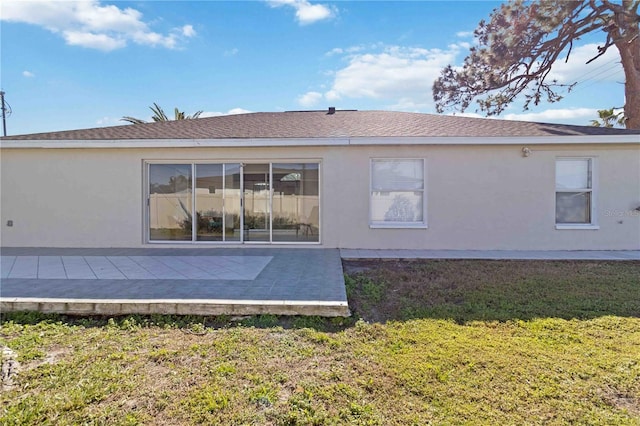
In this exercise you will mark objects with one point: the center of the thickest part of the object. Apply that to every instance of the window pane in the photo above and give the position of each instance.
(170, 202)
(295, 202)
(232, 205)
(209, 202)
(257, 196)
(573, 174)
(400, 175)
(573, 207)
(396, 206)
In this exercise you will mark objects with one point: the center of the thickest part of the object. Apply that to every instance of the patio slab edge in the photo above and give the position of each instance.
(407, 254)
(207, 307)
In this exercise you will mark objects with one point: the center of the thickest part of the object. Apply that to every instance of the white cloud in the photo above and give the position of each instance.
(93, 41)
(231, 52)
(409, 104)
(310, 99)
(108, 121)
(28, 74)
(238, 111)
(188, 31)
(306, 13)
(335, 51)
(562, 115)
(90, 24)
(232, 111)
(605, 68)
(464, 34)
(401, 76)
(472, 115)
(463, 44)
(353, 49)
(576, 116)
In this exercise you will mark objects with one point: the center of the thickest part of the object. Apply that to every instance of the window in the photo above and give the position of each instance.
(397, 193)
(574, 193)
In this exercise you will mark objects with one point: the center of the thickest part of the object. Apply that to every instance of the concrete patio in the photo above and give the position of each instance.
(197, 281)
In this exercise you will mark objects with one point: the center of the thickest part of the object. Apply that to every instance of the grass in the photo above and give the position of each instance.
(437, 342)
(467, 290)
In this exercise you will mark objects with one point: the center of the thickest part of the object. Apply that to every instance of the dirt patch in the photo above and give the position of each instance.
(622, 401)
(10, 367)
(53, 356)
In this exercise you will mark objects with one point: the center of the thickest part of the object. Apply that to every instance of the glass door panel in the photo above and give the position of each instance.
(170, 198)
(232, 202)
(209, 202)
(257, 203)
(296, 202)
(218, 202)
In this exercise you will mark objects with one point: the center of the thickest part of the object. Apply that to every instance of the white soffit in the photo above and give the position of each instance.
(304, 142)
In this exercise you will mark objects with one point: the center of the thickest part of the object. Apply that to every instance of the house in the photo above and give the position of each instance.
(333, 179)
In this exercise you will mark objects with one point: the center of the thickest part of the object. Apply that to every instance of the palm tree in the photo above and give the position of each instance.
(609, 118)
(159, 115)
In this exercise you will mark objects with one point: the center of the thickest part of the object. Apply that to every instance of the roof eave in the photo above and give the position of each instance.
(334, 141)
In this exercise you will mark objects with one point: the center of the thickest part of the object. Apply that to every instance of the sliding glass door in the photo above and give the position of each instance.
(218, 206)
(257, 202)
(233, 202)
(296, 202)
(170, 202)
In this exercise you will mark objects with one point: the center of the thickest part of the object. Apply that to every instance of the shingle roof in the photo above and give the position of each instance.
(320, 124)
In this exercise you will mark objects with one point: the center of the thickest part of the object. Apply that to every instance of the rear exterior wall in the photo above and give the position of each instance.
(487, 197)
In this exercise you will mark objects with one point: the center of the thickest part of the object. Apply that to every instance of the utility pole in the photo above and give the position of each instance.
(4, 116)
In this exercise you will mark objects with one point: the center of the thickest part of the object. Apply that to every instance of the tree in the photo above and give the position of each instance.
(159, 115)
(609, 118)
(523, 39)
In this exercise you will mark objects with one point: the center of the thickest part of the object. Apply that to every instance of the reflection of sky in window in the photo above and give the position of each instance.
(159, 174)
(573, 174)
(291, 177)
(208, 171)
(291, 167)
(397, 174)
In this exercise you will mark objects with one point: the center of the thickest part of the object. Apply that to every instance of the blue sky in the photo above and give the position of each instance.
(86, 63)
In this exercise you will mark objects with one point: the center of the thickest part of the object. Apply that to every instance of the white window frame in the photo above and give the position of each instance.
(399, 225)
(593, 190)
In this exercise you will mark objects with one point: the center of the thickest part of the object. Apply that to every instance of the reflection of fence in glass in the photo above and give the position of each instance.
(166, 212)
(396, 206)
(401, 210)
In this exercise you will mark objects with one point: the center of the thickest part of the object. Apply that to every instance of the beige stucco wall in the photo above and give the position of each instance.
(478, 197)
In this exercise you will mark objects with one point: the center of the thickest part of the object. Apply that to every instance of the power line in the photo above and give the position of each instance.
(596, 69)
(593, 81)
(6, 111)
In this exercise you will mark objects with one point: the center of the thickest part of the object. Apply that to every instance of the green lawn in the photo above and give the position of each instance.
(436, 342)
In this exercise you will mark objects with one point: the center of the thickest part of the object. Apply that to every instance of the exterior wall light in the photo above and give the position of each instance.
(526, 152)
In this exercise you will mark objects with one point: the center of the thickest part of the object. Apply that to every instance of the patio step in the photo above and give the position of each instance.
(208, 307)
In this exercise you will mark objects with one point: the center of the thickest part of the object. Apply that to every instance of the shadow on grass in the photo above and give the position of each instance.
(193, 324)
(500, 290)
